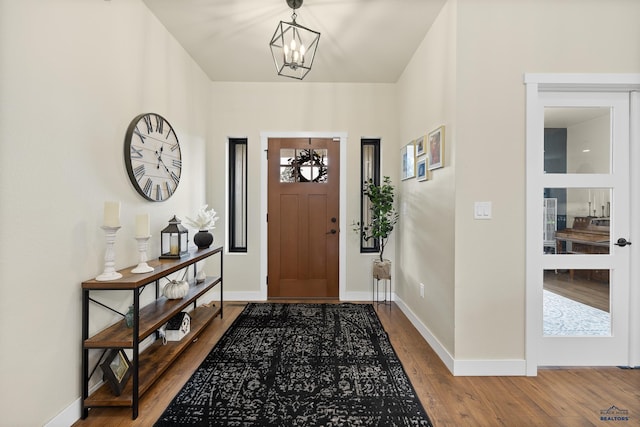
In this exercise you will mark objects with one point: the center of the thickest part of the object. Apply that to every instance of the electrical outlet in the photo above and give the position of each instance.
(421, 290)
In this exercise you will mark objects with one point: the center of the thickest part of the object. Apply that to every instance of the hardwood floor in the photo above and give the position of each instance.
(556, 397)
(589, 292)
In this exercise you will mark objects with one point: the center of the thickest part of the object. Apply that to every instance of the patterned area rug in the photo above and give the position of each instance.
(300, 365)
(566, 317)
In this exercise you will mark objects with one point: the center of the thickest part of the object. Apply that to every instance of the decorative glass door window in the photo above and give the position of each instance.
(303, 165)
(369, 170)
(238, 170)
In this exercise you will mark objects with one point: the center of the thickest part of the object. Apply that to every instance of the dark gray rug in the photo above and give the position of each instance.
(300, 365)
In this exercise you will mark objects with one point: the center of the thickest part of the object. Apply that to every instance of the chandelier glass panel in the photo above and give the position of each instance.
(293, 46)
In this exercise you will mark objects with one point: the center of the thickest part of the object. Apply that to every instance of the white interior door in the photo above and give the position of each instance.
(579, 290)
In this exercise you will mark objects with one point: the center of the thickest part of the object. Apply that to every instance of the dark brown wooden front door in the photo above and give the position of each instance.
(303, 207)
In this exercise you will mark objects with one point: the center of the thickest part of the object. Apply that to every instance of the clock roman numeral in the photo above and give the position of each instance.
(175, 178)
(147, 121)
(136, 153)
(159, 124)
(137, 132)
(138, 172)
(169, 190)
(158, 193)
(177, 163)
(169, 134)
(175, 147)
(147, 187)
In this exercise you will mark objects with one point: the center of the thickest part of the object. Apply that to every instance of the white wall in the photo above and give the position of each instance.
(594, 135)
(73, 74)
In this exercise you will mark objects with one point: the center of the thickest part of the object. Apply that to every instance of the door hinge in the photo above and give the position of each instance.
(267, 217)
(267, 280)
(266, 153)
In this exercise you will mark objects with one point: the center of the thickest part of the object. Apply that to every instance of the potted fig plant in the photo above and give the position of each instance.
(384, 217)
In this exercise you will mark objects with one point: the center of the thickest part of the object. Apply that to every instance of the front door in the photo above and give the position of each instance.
(302, 215)
(581, 190)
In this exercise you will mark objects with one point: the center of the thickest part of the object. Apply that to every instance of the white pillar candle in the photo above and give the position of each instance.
(142, 225)
(112, 214)
(173, 250)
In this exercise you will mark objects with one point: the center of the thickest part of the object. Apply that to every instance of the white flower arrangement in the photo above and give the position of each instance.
(204, 220)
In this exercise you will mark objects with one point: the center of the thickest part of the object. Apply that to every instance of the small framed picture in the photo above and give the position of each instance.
(421, 169)
(116, 370)
(420, 146)
(408, 159)
(436, 148)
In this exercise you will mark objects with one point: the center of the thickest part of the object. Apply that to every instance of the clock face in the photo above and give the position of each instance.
(152, 156)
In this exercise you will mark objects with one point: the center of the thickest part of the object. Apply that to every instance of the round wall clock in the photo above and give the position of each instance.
(152, 156)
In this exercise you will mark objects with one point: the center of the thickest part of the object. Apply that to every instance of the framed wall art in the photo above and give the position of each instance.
(408, 159)
(436, 148)
(116, 370)
(421, 169)
(420, 146)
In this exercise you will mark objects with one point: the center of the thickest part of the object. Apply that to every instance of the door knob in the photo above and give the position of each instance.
(332, 231)
(622, 242)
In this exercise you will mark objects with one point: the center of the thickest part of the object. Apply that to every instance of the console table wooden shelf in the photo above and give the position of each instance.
(146, 366)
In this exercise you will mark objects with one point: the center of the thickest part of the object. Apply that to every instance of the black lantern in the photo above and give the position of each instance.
(293, 46)
(173, 240)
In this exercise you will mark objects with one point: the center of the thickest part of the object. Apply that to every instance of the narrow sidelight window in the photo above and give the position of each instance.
(369, 169)
(237, 194)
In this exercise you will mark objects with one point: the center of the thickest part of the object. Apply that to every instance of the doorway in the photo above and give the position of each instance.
(302, 217)
(579, 195)
(339, 142)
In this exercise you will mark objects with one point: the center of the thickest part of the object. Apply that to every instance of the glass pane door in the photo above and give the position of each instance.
(576, 302)
(584, 197)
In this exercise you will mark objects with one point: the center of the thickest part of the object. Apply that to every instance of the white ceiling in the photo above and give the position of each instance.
(361, 40)
(560, 117)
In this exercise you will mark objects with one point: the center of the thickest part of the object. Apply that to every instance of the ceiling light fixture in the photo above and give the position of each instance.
(293, 46)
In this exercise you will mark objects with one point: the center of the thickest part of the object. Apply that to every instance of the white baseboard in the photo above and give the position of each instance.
(362, 296)
(490, 368)
(257, 296)
(68, 416)
(440, 350)
(243, 296)
(499, 367)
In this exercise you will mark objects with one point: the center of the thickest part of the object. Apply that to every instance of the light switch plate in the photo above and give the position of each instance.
(482, 210)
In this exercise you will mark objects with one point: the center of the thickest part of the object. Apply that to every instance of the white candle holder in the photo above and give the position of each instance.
(200, 275)
(109, 272)
(142, 267)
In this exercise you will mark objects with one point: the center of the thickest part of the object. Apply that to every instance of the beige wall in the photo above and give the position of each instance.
(72, 77)
(426, 237)
(468, 75)
(248, 109)
(499, 41)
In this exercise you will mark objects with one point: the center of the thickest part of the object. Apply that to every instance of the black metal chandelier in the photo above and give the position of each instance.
(293, 46)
